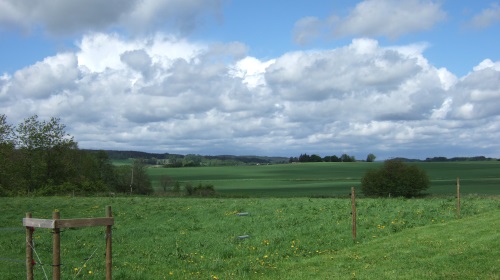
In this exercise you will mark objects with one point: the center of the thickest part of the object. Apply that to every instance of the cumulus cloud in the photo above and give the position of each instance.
(51, 76)
(476, 95)
(373, 18)
(162, 93)
(63, 17)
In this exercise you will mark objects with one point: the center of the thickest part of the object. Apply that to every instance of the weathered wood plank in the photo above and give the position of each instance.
(87, 222)
(38, 223)
(67, 223)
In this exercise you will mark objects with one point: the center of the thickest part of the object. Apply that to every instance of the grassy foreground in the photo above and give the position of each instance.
(281, 238)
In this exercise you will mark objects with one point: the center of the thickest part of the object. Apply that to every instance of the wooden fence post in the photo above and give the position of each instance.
(56, 248)
(29, 250)
(458, 197)
(56, 223)
(109, 261)
(353, 206)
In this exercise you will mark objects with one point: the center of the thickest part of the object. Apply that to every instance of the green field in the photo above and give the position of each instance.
(290, 232)
(329, 179)
(288, 238)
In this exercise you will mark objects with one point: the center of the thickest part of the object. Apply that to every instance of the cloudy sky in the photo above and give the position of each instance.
(413, 78)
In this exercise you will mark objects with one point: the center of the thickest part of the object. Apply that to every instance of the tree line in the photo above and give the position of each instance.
(38, 157)
(316, 158)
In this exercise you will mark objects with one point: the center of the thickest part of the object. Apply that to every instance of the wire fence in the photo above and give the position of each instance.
(12, 228)
(38, 261)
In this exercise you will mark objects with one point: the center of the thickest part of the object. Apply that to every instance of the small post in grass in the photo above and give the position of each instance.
(56, 248)
(29, 250)
(109, 262)
(458, 197)
(353, 206)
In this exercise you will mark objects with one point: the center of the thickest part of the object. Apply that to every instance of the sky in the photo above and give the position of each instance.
(413, 78)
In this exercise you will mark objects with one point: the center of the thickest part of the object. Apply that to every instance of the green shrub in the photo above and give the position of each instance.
(177, 187)
(395, 179)
(189, 189)
(200, 190)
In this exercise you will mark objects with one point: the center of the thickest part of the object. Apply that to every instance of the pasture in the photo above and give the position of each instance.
(329, 179)
(287, 238)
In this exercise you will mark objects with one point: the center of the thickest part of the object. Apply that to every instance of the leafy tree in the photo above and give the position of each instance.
(395, 179)
(347, 158)
(293, 159)
(8, 171)
(123, 178)
(141, 183)
(166, 182)
(304, 158)
(315, 158)
(105, 169)
(43, 146)
(39, 157)
(371, 158)
(6, 131)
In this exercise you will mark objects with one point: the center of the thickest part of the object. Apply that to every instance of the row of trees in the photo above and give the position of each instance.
(334, 158)
(38, 156)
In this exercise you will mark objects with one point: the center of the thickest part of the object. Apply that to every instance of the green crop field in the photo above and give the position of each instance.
(329, 179)
(279, 238)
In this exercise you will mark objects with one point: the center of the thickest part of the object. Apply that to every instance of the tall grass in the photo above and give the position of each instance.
(280, 238)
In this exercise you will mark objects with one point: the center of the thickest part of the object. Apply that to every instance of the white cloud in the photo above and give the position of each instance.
(63, 17)
(390, 18)
(160, 93)
(251, 70)
(477, 95)
(487, 17)
(99, 51)
(374, 18)
(48, 77)
(487, 63)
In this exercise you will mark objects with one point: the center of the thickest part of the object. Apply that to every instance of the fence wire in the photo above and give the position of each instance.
(13, 228)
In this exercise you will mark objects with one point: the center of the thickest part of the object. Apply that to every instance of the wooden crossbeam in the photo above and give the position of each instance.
(67, 223)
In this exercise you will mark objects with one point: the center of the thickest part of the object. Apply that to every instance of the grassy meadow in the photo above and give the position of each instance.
(281, 238)
(329, 179)
(290, 231)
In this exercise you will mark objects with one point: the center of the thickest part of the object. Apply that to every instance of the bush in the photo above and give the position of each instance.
(200, 190)
(395, 179)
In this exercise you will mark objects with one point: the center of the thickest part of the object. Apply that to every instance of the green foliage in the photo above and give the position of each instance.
(189, 189)
(133, 179)
(200, 190)
(370, 158)
(204, 190)
(395, 179)
(39, 157)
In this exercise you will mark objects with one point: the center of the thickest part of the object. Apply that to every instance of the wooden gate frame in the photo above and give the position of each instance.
(56, 224)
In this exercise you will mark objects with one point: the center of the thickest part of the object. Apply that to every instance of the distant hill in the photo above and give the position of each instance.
(212, 160)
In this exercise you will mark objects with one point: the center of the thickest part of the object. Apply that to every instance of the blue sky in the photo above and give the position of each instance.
(412, 78)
